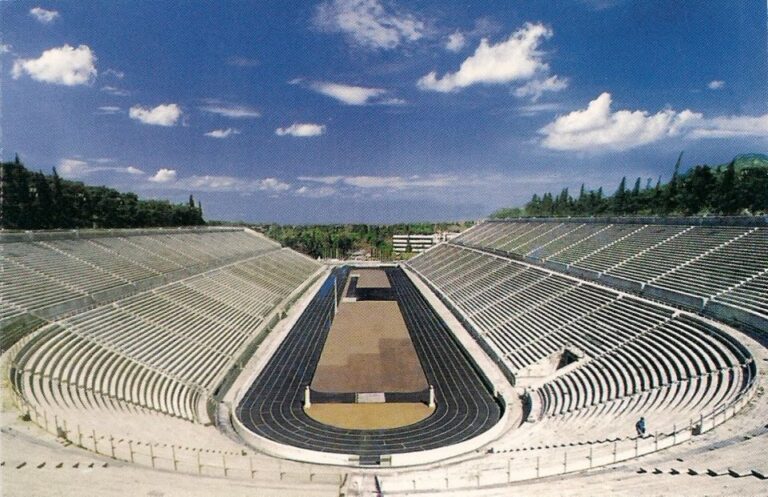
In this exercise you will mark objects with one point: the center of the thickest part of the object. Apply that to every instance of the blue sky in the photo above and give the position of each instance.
(376, 110)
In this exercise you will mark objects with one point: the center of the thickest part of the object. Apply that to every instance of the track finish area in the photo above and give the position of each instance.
(272, 406)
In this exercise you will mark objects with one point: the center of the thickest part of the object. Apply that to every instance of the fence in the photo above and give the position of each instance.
(498, 469)
(170, 457)
(178, 458)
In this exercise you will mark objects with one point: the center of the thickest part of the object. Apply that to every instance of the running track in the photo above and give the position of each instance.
(272, 407)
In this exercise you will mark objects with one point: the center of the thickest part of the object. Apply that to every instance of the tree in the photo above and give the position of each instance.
(727, 198)
(620, 197)
(36, 201)
(42, 204)
(696, 190)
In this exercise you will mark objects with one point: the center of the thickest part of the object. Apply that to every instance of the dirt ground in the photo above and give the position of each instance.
(369, 416)
(371, 278)
(369, 350)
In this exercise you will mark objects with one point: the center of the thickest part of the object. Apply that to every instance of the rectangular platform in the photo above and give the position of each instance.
(369, 349)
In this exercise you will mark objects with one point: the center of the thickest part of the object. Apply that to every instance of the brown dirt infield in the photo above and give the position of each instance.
(369, 416)
(372, 278)
(368, 349)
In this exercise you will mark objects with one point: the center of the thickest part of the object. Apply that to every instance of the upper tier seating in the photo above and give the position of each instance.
(682, 264)
(53, 276)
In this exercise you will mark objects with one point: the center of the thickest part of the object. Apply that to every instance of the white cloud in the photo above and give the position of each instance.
(76, 168)
(348, 94)
(301, 130)
(61, 65)
(716, 84)
(386, 182)
(222, 133)
(316, 192)
(597, 127)
(164, 176)
(730, 127)
(517, 58)
(162, 115)
(115, 91)
(114, 72)
(326, 180)
(533, 109)
(367, 23)
(455, 41)
(5, 48)
(109, 109)
(536, 87)
(43, 15)
(235, 111)
(169, 179)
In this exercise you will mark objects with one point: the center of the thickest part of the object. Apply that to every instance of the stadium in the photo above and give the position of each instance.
(379, 248)
(516, 357)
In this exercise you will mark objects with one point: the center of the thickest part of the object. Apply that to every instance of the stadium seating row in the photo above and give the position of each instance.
(163, 349)
(635, 355)
(721, 264)
(61, 275)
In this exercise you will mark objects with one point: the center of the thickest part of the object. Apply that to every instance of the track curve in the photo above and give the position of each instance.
(272, 406)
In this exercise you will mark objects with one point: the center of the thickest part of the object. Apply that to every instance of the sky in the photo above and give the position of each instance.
(378, 111)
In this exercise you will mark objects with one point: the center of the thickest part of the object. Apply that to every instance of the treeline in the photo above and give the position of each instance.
(340, 240)
(33, 200)
(740, 187)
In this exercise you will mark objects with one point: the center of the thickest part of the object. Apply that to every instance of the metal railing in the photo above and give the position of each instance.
(497, 470)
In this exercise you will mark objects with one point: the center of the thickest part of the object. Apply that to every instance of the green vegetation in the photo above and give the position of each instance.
(342, 240)
(737, 188)
(37, 201)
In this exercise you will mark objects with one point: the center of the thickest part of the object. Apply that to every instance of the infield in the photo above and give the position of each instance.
(368, 349)
(370, 416)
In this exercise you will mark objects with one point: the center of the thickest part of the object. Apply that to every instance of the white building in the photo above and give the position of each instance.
(419, 243)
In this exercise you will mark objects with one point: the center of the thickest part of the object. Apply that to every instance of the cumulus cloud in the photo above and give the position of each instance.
(730, 127)
(517, 58)
(162, 115)
(597, 127)
(536, 87)
(222, 133)
(231, 110)
(77, 168)
(60, 65)
(716, 84)
(301, 130)
(349, 94)
(42, 15)
(5, 48)
(368, 24)
(164, 176)
(455, 41)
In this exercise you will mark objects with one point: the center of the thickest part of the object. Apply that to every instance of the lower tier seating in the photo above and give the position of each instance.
(164, 349)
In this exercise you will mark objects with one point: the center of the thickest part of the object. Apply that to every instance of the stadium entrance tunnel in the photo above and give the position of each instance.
(401, 426)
